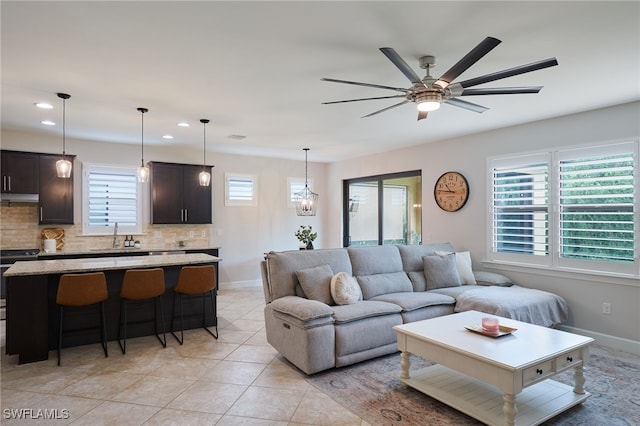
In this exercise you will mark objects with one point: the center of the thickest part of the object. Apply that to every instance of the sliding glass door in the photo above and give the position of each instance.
(383, 209)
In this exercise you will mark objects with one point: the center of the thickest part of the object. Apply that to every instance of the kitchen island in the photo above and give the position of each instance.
(32, 314)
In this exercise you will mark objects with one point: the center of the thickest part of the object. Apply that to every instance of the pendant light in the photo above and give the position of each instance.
(306, 200)
(142, 172)
(63, 166)
(204, 177)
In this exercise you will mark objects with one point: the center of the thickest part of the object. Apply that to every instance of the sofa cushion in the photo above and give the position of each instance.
(453, 291)
(418, 280)
(316, 283)
(362, 310)
(345, 289)
(374, 285)
(373, 260)
(417, 300)
(412, 255)
(491, 278)
(441, 271)
(463, 263)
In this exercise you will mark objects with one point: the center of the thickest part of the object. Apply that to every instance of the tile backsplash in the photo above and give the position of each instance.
(19, 229)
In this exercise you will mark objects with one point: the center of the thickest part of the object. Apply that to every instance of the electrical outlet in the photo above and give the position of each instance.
(606, 308)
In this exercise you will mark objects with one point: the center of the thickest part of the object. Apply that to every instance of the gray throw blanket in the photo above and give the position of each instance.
(515, 302)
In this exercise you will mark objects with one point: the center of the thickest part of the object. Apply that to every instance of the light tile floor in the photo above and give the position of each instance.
(236, 380)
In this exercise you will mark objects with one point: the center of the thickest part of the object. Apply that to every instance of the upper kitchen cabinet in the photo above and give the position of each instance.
(177, 197)
(19, 172)
(56, 194)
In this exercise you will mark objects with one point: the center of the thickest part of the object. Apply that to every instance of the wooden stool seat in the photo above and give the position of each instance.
(76, 290)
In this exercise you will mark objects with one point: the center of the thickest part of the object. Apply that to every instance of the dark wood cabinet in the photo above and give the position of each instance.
(177, 197)
(56, 194)
(19, 172)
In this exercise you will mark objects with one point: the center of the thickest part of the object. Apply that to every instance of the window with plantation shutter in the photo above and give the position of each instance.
(111, 195)
(520, 220)
(596, 206)
(240, 190)
(568, 209)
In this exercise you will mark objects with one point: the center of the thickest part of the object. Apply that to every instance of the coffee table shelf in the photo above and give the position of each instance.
(536, 403)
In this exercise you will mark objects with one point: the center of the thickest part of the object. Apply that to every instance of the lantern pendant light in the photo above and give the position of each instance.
(142, 172)
(204, 177)
(306, 200)
(63, 166)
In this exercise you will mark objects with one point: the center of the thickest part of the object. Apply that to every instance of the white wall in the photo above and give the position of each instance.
(467, 230)
(243, 233)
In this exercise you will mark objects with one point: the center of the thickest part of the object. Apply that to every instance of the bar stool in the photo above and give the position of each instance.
(196, 280)
(142, 284)
(82, 290)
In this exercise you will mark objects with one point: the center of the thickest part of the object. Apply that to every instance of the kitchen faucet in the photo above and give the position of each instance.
(115, 236)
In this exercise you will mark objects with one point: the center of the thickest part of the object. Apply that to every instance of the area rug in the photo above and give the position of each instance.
(371, 390)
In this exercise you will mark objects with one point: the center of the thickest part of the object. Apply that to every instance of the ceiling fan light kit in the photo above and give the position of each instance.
(429, 93)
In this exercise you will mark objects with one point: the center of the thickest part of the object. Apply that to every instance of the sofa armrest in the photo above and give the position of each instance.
(301, 308)
(492, 278)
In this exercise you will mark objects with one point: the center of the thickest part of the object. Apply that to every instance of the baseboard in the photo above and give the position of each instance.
(617, 343)
(239, 284)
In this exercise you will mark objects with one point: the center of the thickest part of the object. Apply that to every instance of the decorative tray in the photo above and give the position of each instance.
(503, 330)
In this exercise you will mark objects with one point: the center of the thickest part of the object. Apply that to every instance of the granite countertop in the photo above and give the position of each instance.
(59, 266)
(121, 250)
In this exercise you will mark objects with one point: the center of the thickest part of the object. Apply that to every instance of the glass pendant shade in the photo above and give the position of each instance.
(142, 172)
(63, 166)
(204, 177)
(306, 200)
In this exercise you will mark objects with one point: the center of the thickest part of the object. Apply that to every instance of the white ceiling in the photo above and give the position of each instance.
(254, 69)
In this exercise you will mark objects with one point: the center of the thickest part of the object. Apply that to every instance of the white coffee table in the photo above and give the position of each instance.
(497, 380)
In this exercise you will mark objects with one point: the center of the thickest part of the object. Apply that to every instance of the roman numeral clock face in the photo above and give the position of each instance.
(451, 191)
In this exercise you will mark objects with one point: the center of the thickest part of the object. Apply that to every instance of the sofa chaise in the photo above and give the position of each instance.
(331, 308)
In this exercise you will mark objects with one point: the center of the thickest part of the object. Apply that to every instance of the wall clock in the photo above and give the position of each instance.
(451, 191)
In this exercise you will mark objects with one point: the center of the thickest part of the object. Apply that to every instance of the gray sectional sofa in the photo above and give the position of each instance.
(395, 285)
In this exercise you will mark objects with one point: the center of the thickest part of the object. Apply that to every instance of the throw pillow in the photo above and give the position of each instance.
(345, 289)
(316, 283)
(463, 263)
(441, 271)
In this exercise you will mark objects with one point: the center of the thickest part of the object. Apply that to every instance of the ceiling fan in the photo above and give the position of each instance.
(428, 93)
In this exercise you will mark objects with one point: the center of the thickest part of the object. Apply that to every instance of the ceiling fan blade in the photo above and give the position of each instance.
(466, 105)
(363, 99)
(333, 80)
(385, 109)
(534, 66)
(501, 91)
(422, 115)
(484, 47)
(401, 65)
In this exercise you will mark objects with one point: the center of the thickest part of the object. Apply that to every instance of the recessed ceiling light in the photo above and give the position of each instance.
(43, 105)
(236, 137)
(48, 123)
(167, 137)
(183, 124)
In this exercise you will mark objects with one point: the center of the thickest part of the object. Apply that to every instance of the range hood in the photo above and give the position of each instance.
(18, 198)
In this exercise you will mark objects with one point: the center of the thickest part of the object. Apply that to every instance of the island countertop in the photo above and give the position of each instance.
(65, 266)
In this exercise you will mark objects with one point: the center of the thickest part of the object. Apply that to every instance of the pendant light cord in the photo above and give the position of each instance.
(142, 141)
(306, 151)
(64, 115)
